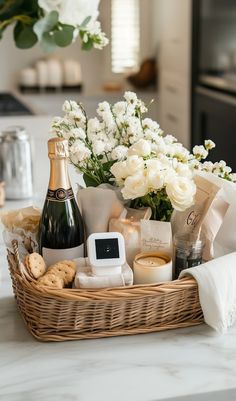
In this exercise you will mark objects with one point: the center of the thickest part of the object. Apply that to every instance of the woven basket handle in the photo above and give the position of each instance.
(16, 252)
(20, 266)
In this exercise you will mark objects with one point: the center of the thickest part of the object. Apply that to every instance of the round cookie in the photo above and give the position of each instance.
(35, 265)
(66, 272)
(70, 263)
(51, 280)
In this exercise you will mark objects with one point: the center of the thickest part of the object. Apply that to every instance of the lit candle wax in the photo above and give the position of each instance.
(131, 232)
(152, 268)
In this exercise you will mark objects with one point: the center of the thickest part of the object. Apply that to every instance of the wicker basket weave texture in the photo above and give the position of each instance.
(57, 315)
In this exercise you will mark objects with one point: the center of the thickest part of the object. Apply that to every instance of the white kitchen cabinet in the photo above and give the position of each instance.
(175, 67)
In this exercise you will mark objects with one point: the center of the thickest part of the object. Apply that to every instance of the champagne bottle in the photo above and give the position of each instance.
(61, 230)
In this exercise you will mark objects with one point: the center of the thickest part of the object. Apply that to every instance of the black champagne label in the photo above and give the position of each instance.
(60, 194)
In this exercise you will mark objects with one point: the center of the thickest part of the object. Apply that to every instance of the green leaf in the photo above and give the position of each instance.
(89, 181)
(46, 24)
(107, 165)
(64, 36)
(85, 22)
(24, 36)
(29, 7)
(87, 45)
(10, 8)
(47, 42)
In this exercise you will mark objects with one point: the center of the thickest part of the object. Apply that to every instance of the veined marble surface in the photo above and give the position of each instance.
(158, 366)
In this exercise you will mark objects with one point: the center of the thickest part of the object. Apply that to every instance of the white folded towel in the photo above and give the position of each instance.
(86, 279)
(217, 290)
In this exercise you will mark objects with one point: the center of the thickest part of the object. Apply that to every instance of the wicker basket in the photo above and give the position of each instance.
(72, 314)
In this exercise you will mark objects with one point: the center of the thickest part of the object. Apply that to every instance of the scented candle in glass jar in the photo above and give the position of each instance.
(188, 249)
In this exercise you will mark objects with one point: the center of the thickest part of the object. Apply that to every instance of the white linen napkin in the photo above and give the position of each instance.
(86, 279)
(217, 290)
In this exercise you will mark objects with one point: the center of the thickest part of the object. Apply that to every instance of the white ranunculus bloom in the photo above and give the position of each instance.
(135, 186)
(140, 148)
(72, 12)
(134, 164)
(181, 191)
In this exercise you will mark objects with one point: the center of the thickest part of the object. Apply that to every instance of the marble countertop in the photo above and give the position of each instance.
(192, 364)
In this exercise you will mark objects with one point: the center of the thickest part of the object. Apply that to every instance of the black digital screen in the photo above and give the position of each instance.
(107, 248)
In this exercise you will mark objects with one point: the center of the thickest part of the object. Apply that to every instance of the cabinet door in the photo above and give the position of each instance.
(176, 19)
(215, 118)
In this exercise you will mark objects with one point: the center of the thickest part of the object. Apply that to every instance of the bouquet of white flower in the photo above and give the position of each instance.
(53, 23)
(122, 148)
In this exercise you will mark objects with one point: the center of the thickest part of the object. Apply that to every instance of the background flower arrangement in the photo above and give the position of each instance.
(122, 148)
(52, 23)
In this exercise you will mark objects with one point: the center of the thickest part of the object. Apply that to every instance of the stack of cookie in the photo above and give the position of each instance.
(60, 275)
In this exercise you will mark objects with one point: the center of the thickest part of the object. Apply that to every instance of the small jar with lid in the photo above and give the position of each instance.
(188, 249)
(16, 163)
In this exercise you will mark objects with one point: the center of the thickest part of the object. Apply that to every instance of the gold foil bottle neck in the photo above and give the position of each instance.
(58, 148)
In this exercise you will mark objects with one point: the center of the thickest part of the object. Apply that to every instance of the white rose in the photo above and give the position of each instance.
(71, 12)
(140, 148)
(181, 191)
(119, 170)
(134, 164)
(155, 179)
(135, 186)
(119, 153)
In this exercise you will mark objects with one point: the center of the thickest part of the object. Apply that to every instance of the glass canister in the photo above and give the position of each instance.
(16, 163)
(188, 249)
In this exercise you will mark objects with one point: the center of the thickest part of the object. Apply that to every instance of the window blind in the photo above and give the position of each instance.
(125, 35)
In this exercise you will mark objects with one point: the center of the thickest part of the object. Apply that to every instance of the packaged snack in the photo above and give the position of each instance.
(205, 217)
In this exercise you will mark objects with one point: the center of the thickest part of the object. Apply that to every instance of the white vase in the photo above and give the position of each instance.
(98, 205)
